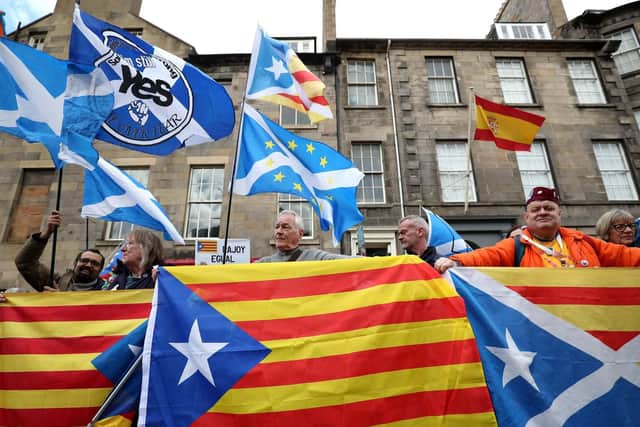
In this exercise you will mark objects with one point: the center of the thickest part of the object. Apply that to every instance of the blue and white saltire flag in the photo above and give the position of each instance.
(443, 237)
(192, 355)
(542, 370)
(111, 194)
(47, 100)
(274, 160)
(162, 103)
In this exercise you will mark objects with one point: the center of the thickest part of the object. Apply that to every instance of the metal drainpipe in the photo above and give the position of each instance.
(395, 130)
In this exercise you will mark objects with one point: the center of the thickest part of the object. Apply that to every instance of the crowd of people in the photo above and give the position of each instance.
(540, 242)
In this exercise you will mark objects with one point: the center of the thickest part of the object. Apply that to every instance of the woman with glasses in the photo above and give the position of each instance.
(617, 226)
(141, 252)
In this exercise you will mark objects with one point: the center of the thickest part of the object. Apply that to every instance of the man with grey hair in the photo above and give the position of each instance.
(289, 230)
(413, 231)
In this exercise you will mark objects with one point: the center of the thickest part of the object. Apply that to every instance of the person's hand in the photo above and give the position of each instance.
(443, 264)
(3, 297)
(50, 289)
(54, 221)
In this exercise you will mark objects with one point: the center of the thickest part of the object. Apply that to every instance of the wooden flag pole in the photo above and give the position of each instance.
(55, 232)
(468, 173)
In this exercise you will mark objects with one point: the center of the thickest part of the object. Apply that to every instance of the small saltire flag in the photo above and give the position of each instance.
(443, 237)
(509, 128)
(192, 356)
(162, 103)
(277, 75)
(111, 194)
(559, 347)
(113, 364)
(47, 100)
(274, 160)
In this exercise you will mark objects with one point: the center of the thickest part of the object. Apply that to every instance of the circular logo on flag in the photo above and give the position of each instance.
(153, 99)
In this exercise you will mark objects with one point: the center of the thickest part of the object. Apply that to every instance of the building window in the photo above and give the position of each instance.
(32, 204)
(534, 168)
(627, 57)
(293, 118)
(302, 45)
(135, 31)
(361, 82)
(614, 170)
(36, 40)
(301, 207)
(368, 158)
(120, 230)
(586, 82)
(513, 80)
(636, 114)
(452, 165)
(442, 81)
(538, 31)
(205, 202)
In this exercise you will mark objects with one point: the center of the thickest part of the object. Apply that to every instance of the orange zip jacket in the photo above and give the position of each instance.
(584, 253)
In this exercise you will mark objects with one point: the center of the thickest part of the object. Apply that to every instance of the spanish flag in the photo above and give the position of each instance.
(509, 128)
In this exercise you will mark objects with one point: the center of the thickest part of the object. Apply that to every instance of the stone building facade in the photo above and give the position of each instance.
(402, 113)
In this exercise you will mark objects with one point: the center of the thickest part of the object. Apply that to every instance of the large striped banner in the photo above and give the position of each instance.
(353, 342)
(558, 346)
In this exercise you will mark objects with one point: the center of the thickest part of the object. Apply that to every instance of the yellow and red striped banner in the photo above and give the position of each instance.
(354, 342)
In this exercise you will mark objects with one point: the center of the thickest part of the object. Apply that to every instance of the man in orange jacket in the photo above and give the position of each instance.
(545, 244)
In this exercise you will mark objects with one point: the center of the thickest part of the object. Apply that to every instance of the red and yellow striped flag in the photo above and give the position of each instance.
(509, 128)
(354, 342)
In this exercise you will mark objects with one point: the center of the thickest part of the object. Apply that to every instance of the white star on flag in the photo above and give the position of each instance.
(135, 349)
(516, 362)
(277, 68)
(197, 354)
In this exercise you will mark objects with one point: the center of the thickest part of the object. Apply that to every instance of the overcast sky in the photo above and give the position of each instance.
(228, 26)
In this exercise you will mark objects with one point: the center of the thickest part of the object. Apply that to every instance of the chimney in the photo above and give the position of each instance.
(329, 25)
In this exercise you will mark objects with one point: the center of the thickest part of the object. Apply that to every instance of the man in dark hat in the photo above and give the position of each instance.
(544, 243)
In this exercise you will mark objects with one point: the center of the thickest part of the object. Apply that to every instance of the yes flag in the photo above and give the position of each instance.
(46, 100)
(192, 356)
(509, 128)
(443, 237)
(277, 75)
(274, 160)
(161, 102)
(559, 347)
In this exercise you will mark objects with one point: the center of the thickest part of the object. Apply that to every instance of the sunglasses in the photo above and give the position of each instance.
(622, 227)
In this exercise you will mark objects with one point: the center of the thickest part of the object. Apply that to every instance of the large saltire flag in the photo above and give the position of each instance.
(277, 75)
(44, 99)
(509, 128)
(443, 237)
(353, 342)
(274, 160)
(559, 347)
(162, 103)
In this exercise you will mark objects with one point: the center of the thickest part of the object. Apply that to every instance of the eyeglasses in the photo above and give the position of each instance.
(93, 262)
(621, 227)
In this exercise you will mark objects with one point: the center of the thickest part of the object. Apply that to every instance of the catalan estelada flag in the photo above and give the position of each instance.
(276, 74)
(352, 342)
(509, 128)
(559, 347)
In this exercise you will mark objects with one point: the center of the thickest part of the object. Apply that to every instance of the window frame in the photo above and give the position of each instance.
(445, 163)
(452, 80)
(622, 53)
(297, 115)
(362, 84)
(31, 178)
(361, 193)
(595, 78)
(507, 30)
(215, 203)
(37, 39)
(624, 171)
(524, 78)
(547, 170)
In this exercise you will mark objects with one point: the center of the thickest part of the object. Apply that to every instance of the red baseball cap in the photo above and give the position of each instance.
(543, 193)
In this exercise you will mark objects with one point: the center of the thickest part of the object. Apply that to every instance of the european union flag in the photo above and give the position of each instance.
(192, 355)
(542, 370)
(274, 160)
(46, 100)
(162, 103)
(443, 237)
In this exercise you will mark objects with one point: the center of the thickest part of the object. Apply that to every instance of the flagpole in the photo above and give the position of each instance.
(114, 392)
(468, 173)
(55, 231)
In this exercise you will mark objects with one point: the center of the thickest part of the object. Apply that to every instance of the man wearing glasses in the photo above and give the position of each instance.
(544, 243)
(83, 276)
